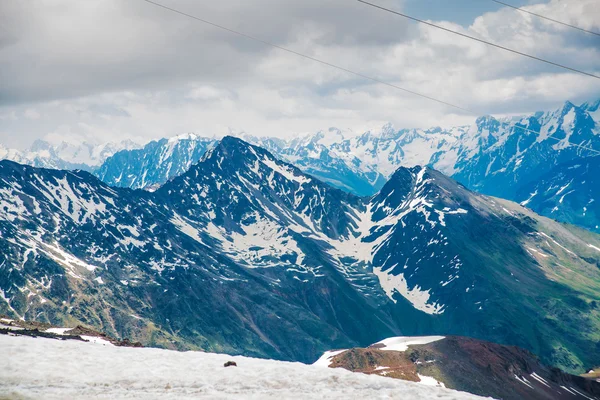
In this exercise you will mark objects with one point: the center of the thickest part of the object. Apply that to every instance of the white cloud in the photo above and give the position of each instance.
(112, 70)
(31, 114)
(206, 93)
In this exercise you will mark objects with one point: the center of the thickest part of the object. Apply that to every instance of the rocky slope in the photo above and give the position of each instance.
(246, 254)
(470, 365)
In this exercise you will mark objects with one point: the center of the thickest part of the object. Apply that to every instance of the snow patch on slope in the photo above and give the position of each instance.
(593, 247)
(326, 359)
(429, 381)
(392, 284)
(401, 343)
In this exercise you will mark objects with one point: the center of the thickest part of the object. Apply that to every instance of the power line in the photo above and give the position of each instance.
(569, 144)
(546, 18)
(306, 56)
(479, 40)
(342, 68)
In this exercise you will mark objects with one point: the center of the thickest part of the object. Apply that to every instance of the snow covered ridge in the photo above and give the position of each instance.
(154, 164)
(357, 162)
(75, 370)
(489, 157)
(65, 155)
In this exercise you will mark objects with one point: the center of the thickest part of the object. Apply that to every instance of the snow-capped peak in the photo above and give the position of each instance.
(185, 136)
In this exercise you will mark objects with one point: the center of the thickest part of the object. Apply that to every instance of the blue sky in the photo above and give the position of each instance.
(460, 11)
(110, 70)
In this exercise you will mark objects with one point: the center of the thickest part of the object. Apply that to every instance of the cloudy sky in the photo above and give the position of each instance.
(108, 70)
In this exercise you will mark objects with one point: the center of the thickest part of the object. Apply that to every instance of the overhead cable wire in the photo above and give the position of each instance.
(479, 40)
(567, 142)
(267, 43)
(360, 75)
(546, 18)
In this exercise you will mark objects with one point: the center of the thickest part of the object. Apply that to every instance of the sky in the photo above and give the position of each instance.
(109, 70)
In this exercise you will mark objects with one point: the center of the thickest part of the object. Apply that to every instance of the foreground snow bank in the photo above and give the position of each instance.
(52, 369)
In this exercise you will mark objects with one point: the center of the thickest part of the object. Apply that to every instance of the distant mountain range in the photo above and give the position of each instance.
(494, 157)
(244, 253)
(155, 163)
(84, 156)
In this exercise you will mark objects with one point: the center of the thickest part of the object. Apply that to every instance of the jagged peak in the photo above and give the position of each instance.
(406, 177)
(485, 119)
(388, 128)
(236, 152)
(417, 171)
(233, 158)
(591, 106)
(185, 136)
(40, 144)
(230, 142)
(567, 106)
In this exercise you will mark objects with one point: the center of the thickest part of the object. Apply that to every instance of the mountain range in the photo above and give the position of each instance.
(246, 254)
(85, 156)
(514, 158)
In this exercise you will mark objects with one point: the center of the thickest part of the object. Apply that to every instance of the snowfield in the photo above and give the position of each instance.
(37, 368)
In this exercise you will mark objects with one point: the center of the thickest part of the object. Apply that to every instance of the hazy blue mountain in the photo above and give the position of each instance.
(246, 254)
(85, 156)
(569, 192)
(357, 164)
(155, 163)
(494, 156)
(499, 157)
